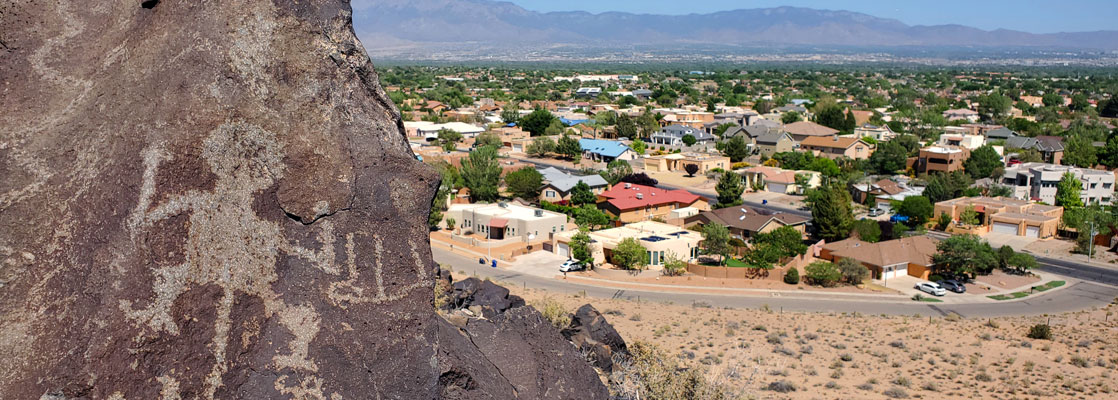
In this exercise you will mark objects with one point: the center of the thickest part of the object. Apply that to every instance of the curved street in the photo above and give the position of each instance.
(1087, 287)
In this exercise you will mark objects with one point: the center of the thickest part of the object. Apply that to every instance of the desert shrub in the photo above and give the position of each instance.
(1079, 362)
(782, 387)
(846, 357)
(897, 344)
(1040, 331)
(930, 386)
(895, 393)
(651, 373)
(774, 338)
(792, 277)
(902, 381)
(865, 386)
(784, 350)
(831, 385)
(554, 312)
(853, 272)
(983, 377)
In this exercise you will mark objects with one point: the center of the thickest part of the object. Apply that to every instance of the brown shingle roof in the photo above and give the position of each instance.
(913, 250)
(750, 219)
(808, 128)
(831, 142)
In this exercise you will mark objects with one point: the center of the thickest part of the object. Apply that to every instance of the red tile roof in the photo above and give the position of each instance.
(626, 198)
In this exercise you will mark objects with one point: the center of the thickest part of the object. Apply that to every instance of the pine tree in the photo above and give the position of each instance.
(730, 188)
(831, 213)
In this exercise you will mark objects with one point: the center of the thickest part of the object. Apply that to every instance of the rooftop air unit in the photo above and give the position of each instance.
(628, 185)
(503, 204)
(539, 213)
(640, 196)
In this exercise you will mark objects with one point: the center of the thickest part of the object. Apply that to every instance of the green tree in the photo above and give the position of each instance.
(481, 174)
(1079, 102)
(629, 254)
(647, 124)
(849, 123)
(943, 221)
(792, 277)
(638, 146)
(1108, 155)
(786, 241)
(964, 255)
(1067, 191)
(721, 129)
(730, 188)
(1109, 108)
(488, 139)
(790, 117)
(568, 147)
(556, 128)
(1022, 262)
(580, 246)
(1000, 191)
(524, 183)
(689, 140)
(1079, 151)
(581, 194)
(691, 169)
(716, 240)
(822, 273)
(853, 272)
(830, 115)
(917, 208)
(1052, 100)
(984, 162)
(540, 147)
(626, 128)
(735, 148)
(889, 158)
(450, 223)
(449, 138)
(537, 121)
(591, 217)
(510, 115)
(831, 212)
(994, 105)
(1088, 221)
(868, 230)
(969, 216)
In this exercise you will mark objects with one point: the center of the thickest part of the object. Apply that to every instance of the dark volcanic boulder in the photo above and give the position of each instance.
(216, 200)
(591, 333)
(490, 297)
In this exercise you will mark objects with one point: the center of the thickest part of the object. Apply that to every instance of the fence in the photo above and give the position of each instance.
(776, 273)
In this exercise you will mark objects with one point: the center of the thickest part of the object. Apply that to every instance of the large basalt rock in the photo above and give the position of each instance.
(210, 200)
(592, 334)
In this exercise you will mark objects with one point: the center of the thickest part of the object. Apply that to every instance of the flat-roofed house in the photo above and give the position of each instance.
(1037, 181)
(679, 161)
(660, 240)
(941, 159)
(777, 180)
(1005, 215)
(504, 220)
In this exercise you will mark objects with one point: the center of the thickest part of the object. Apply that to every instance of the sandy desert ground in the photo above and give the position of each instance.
(852, 356)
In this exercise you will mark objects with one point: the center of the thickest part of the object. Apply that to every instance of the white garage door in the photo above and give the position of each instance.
(563, 249)
(1002, 227)
(1032, 231)
(778, 187)
(893, 271)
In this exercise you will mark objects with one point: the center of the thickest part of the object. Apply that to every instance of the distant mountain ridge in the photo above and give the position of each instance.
(493, 23)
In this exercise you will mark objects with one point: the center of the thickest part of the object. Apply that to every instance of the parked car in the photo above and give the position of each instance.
(571, 265)
(953, 285)
(875, 212)
(931, 288)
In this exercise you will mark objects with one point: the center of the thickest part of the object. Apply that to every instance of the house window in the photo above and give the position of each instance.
(1106, 186)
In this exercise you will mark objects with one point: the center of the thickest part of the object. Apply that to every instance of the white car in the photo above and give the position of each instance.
(570, 265)
(931, 288)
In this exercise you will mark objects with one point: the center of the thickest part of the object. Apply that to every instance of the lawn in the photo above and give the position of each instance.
(1018, 295)
(735, 263)
(928, 299)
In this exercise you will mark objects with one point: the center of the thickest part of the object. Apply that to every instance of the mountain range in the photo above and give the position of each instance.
(418, 23)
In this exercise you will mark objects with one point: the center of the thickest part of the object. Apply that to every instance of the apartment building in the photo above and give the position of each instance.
(1037, 181)
(941, 159)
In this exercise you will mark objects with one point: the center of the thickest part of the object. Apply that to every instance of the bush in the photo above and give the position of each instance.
(554, 312)
(853, 272)
(895, 393)
(823, 273)
(1040, 331)
(792, 277)
(782, 387)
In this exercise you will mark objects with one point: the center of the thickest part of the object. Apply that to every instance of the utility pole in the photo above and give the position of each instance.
(1091, 239)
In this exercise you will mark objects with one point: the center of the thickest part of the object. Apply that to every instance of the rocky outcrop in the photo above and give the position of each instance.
(216, 200)
(593, 335)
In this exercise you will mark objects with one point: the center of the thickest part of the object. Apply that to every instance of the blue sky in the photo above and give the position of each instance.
(1035, 16)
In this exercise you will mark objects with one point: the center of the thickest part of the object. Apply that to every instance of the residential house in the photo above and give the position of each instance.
(978, 129)
(672, 135)
(834, 147)
(679, 162)
(744, 222)
(505, 220)
(631, 203)
(941, 159)
(588, 92)
(884, 192)
(886, 260)
(1051, 148)
(879, 133)
(1005, 215)
(558, 184)
(430, 130)
(659, 239)
(606, 150)
(1037, 181)
(1000, 133)
(771, 143)
(804, 129)
(642, 94)
(969, 142)
(961, 114)
(776, 180)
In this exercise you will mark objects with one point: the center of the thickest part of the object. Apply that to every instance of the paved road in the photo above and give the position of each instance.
(1077, 296)
(712, 197)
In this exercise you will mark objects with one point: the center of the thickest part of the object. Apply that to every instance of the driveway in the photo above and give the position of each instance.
(539, 263)
(904, 284)
(1018, 243)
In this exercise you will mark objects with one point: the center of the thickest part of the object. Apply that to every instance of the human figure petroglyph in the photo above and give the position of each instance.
(230, 246)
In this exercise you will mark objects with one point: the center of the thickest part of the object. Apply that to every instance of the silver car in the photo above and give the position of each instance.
(931, 288)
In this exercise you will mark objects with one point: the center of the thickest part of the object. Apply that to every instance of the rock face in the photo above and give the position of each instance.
(216, 200)
(592, 334)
